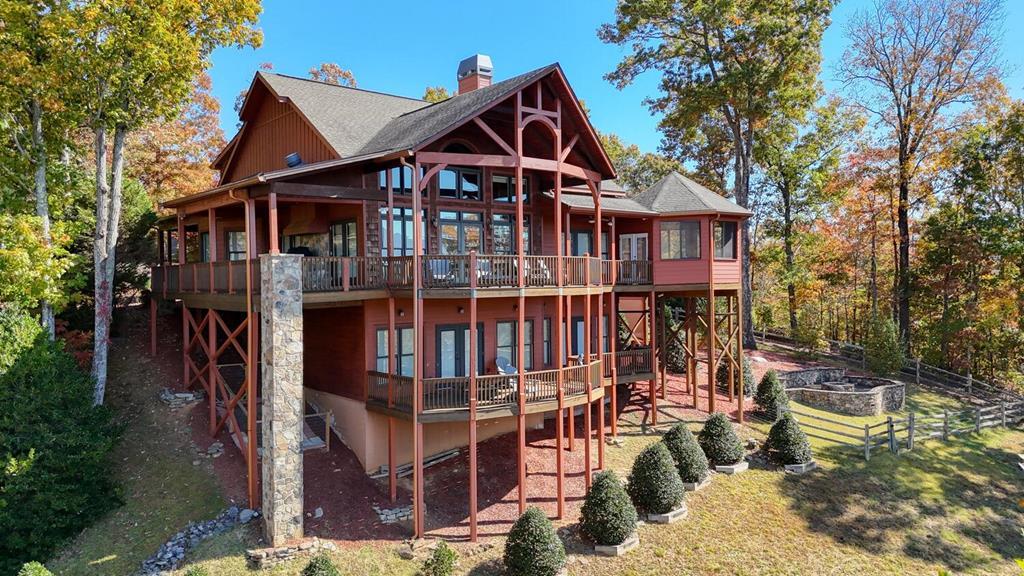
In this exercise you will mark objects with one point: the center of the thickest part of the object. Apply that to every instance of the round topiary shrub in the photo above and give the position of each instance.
(442, 561)
(690, 461)
(608, 516)
(320, 565)
(771, 396)
(654, 484)
(533, 548)
(787, 443)
(719, 442)
(722, 378)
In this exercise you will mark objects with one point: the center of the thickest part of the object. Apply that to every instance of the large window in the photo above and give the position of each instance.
(459, 183)
(583, 243)
(404, 346)
(401, 179)
(546, 336)
(401, 237)
(503, 229)
(236, 245)
(725, 240)
(507, 336)
(461, 232)
(503, 188)
(680, 240)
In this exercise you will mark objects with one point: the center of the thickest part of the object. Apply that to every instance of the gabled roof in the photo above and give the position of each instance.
(585, 202)
(347, 118)
(677, 194)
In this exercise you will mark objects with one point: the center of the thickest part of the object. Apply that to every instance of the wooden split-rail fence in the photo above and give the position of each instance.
(896, 433)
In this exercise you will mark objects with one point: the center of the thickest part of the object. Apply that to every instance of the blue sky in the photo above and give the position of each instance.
(402, 47)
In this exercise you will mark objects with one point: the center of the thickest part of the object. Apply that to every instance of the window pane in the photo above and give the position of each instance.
(501, 188)
(690, 239)
(448, 184)
(725, 240)
(472, 238)
(470, 185)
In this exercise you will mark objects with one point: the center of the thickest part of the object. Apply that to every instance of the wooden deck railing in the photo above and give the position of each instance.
(630, 362)
(343, 274)
(446, 394)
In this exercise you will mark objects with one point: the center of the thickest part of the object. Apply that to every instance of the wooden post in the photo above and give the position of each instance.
(272, 224)
(691, 357)
(892, 435)
(211, 344)
(739, 350)
(392, 356)
(211, 216)
(651, 341)
(559, 335)
(613, 342)
(867, 442)
(910, 430)
(473, 368)
(977, 419)
(1002, 411)
(970, 383)
(252, 350)
(663, 342)
(729, 323)
(588, 459)
(185, 314)
(917, 370)
(945, 425)
(568, 339)
(419, 510)
(521, 318)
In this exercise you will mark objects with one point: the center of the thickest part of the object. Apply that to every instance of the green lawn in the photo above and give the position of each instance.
(950, 506)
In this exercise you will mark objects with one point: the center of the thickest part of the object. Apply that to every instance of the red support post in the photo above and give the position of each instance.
(419, 509)
(272, 224)
(712, 363)
(568, 340)
(392, 474)
(521, 317)
(473, 369)
(654, 357)
(587, 334)
(211, 384)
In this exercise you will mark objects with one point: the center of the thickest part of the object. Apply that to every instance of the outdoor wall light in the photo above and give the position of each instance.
(462, 310)
(401, 312)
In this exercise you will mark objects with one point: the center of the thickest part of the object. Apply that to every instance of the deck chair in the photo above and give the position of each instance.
(505, 368)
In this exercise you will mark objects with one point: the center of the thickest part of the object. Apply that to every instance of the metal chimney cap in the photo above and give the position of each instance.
(476, 64)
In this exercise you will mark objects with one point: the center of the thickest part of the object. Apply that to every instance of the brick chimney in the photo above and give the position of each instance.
(475, 72)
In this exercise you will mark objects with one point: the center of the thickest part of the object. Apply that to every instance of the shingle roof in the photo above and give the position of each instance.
(677, 194)
(608, 203)
(361, 122)
(348, 118)
(413, 128)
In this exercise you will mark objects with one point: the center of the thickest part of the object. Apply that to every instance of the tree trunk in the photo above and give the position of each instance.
(108, 216)
(903, 294)
(42, 203)
(787, 245)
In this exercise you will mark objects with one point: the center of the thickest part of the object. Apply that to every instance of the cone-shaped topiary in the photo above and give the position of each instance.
(533, 548)
(608, 516)
(722, 378)
(771, 396)
(654, 483)
(320, 565)
(787, 443)
(719, 442)
(690, 461)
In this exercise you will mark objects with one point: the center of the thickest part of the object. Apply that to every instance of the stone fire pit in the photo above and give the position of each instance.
(832, 389)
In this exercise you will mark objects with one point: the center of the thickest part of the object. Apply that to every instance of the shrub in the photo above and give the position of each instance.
(654, 484)
(18, 330)
(690, 461)
(441, 562)
(608, 516)
(809, 334)
(34, 569)
(55, 470)
(719, 442)
(722, 377)
(197, 571)
(883, 349)
(320, 565)
(787, 443)
(532, 547)
(771, 396)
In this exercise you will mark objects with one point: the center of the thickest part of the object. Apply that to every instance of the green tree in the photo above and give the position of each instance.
(800, 163)
(883, 351)
(909, 62)
(740, 62)
(137, 62)
(636, 170)
(35, 119)
(435, 94)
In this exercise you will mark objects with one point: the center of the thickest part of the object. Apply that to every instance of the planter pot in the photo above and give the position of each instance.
(671, 516)
(696, 486)
(736, 468)
(801, 468)
(619, 549)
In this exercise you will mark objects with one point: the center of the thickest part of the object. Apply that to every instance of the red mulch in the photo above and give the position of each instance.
(335, 481)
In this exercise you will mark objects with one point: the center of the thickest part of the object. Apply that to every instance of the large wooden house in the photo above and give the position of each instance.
(461, 270)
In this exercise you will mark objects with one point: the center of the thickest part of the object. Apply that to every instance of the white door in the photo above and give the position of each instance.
(633, 247)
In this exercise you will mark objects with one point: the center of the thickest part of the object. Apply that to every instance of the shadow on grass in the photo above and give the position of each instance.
(952, 503)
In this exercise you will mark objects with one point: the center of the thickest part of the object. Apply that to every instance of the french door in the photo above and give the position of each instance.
(453, 350)
(633, 246)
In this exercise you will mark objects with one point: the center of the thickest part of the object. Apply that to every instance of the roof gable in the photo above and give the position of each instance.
(677, 194)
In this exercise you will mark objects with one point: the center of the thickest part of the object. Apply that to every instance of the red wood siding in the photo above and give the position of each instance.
(334, 351)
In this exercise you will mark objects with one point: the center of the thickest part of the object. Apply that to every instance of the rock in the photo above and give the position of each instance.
(245, 516)
(318, 513)
(751, 443)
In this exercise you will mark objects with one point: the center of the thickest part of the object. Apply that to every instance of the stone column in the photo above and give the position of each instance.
(281, 314)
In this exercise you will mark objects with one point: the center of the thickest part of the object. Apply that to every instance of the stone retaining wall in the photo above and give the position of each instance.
(831, 389)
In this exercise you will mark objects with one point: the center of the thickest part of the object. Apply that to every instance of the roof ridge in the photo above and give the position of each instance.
(320, 82)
